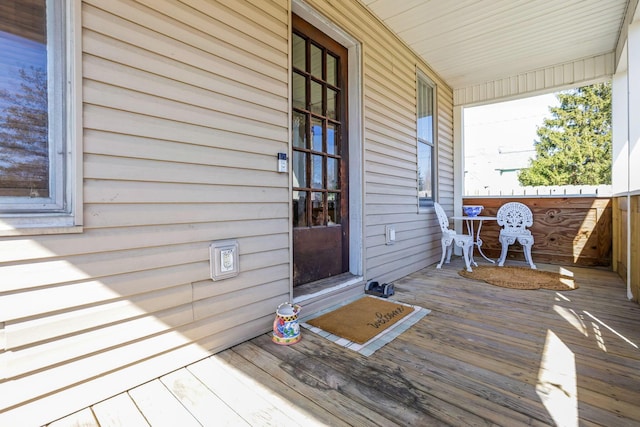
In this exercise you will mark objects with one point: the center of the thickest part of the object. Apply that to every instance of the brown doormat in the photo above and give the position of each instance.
(521, 278)
(362, 319)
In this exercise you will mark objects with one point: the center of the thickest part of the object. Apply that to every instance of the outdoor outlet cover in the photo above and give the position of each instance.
(223, 257)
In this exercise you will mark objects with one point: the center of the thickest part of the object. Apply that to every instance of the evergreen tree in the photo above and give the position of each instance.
(574, 146)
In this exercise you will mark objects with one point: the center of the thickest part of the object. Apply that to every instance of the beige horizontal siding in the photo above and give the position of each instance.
(186, 105)
(185, 108)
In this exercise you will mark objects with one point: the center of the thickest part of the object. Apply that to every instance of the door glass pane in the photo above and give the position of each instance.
(316, 61)
(315, 104)
(332, 138)
(316, 134)
(332, 70)
(299, 93)
(300, 208)
(332, 105)
(299, 53)
(299, 130)
(299, 169)
(316, 171)
(317, 209)
(333, 208)
(333, 173)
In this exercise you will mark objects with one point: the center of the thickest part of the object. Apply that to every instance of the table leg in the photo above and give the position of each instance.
(470, 229)
(479, 244)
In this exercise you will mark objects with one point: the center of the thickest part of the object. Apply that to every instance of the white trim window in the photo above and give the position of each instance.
(426, 141)
(38, 126)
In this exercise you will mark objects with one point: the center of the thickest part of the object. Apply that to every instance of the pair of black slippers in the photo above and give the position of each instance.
(384, 290)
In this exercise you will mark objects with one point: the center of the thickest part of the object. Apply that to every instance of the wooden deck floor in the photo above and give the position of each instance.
(484, 356)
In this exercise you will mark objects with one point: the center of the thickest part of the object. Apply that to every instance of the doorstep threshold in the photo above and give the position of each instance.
(318, 288)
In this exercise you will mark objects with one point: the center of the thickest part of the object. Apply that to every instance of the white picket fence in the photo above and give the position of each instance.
(553, 190)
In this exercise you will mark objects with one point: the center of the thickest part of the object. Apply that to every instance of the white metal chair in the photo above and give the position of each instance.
(449, 237)
(514, 218)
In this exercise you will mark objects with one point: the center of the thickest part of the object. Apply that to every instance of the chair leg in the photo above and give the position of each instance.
(505, 241)
(444, 253)
(449, 251)
(526, 245)
(467, 256)
(503, 253)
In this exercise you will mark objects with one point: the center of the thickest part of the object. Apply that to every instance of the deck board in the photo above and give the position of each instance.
(484, 356)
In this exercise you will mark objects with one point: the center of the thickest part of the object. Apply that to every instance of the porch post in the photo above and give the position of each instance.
(458, 166)
(633, 86)
(633, 192)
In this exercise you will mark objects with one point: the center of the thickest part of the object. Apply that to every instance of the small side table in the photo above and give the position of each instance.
(470, 221)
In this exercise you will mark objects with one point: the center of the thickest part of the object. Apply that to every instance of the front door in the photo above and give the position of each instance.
(320, 155)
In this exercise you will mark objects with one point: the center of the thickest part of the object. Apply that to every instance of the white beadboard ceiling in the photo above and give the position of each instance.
(472, 42)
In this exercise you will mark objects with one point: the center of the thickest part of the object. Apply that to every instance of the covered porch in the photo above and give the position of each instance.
(485, 355)
(181, 111)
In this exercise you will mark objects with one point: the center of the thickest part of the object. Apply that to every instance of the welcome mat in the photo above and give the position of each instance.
(521, 278)
(366, 324)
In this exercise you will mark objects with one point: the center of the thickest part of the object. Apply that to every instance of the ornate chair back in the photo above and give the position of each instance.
(515, 218)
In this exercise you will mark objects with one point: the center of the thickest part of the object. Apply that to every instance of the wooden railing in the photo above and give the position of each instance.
(567, 230)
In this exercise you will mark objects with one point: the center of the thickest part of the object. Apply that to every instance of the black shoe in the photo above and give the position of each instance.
(384, 290)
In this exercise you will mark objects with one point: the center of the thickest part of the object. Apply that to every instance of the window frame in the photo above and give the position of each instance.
(424, 203)
(61, 212)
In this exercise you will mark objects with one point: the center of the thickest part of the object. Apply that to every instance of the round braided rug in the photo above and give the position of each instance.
(521, 278)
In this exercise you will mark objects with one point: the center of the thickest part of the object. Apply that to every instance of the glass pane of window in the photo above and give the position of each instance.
(333, 208)
(299, 52)
(425, 172)
(317, 209)
(316, 134)
(316, 98)
(24, 103)
(425, 112)
(299, 130)
(332, 138)
(332, 104)
(316, 62)
(426, 141)
(299, 169)
(316, 171)
(333, 173)
(332, 70)
(300, 208)
(299, 92)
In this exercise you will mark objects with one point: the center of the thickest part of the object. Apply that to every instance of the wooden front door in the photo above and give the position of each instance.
(320, 155)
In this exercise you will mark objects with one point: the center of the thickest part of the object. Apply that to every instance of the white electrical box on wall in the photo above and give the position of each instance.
(223, 257)
(389, 235)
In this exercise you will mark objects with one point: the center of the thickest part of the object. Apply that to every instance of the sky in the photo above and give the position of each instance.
(501, 137)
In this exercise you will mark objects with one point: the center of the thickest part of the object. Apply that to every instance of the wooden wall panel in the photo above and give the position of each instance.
(567, 230)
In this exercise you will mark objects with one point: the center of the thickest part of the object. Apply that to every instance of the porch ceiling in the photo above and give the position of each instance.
(470, 42)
